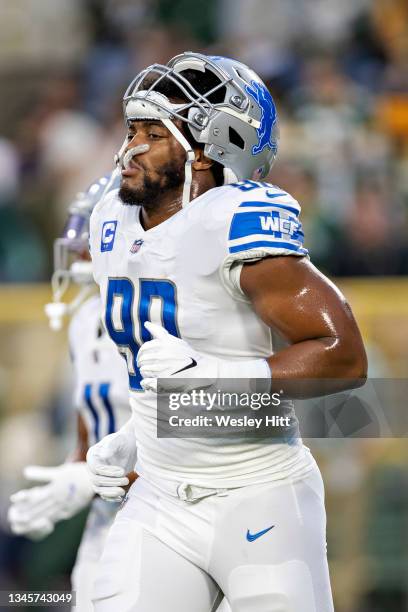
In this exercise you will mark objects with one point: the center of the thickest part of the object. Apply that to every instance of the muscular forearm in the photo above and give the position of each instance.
(314, 360)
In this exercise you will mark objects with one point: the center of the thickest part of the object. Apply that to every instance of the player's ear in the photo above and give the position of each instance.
(201, 161)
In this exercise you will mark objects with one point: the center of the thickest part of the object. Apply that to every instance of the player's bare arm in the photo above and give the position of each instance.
(291, 296)
(79, 454)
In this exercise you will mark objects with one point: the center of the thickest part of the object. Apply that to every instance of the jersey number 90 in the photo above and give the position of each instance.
(121, 316)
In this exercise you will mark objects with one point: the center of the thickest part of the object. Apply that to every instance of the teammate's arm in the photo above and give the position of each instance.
(291, 296)
(79, 454)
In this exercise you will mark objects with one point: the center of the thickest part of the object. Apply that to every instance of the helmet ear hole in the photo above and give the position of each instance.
(235, 138)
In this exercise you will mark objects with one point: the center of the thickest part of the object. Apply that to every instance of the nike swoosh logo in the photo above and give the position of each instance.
(251, 537)
(187, 367)
(276, 195)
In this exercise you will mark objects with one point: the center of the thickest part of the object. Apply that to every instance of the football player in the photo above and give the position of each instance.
(101, 400)
(203, 276)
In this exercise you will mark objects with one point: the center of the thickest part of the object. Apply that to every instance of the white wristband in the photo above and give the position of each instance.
(240, 376)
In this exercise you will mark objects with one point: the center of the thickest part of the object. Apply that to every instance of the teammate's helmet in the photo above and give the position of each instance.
(71, 252)
(235, 119)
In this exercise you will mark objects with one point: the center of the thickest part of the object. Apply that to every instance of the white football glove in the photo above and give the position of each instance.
(173, 359)
(110, 460)
(34, 512)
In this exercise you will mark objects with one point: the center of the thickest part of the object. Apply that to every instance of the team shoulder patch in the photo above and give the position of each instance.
(266, 218)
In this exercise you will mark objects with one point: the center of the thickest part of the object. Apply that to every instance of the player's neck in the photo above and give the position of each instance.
(171, 202)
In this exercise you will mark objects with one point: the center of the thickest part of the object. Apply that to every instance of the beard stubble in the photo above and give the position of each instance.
(148, 194)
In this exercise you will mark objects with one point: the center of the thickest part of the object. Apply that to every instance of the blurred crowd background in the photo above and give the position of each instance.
(338, 71)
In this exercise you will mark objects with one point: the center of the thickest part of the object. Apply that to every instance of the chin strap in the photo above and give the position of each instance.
(190, 158)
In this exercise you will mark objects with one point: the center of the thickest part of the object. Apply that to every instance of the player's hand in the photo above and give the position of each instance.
(173, 359)
(110, 460)
(34, 512)
(182, 368)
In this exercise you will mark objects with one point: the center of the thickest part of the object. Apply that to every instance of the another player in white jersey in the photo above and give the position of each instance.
(101, 400)
(200, 268)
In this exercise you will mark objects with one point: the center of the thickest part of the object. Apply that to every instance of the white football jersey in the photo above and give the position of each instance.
(101, 380)
(184, 275)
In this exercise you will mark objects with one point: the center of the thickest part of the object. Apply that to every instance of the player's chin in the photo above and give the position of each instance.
(129, 194)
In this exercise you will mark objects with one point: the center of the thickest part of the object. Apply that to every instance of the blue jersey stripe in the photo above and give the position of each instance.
(104, 393)
(271, 223)
(248, 223)
(92, 409)
(263, 204)
(272, 245)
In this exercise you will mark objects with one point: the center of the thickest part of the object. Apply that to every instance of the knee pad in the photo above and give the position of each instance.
(286, 587)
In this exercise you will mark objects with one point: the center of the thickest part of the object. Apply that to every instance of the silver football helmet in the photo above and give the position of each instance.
(235, 120)
(71, 253)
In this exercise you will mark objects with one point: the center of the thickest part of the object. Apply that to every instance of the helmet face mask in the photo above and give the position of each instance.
(70, 249)
(234, 117)
(72, 263)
